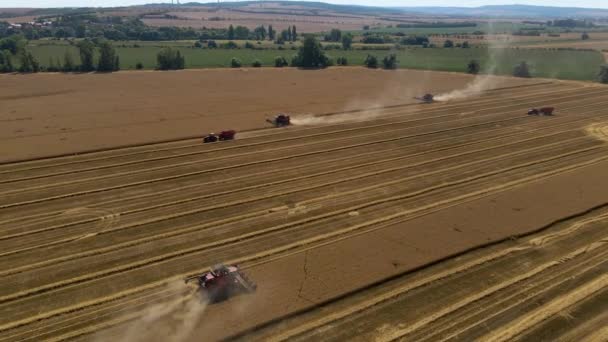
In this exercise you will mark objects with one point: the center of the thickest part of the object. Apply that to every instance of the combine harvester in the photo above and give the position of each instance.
(426, 98)
(280, 120)
(224, 135)
(222, 282)
(548, 111)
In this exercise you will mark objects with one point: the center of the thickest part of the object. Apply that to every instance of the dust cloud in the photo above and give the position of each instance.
(482, 82)
(361, 109)
(311, 119)
(170, 321)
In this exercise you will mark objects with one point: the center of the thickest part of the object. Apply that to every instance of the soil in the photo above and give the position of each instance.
(55, 114)
(408, 222)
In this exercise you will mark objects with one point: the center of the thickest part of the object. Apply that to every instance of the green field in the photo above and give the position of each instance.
(575, 65)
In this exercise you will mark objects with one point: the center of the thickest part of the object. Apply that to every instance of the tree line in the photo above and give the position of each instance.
(14, 48)
(87, 25)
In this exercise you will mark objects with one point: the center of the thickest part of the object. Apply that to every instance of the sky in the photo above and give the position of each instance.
(459, 3)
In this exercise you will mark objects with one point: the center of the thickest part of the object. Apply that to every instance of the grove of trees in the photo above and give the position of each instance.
(108, 59)
(311, 55)
(522, 70)
(371, 62)
(170, 59)
(473, 67)
(390, 62)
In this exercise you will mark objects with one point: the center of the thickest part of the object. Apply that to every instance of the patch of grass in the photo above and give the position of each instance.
(576, 65)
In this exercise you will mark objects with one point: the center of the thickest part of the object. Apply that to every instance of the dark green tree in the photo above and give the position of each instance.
(13, 44)
(603, 75)
(271, 33)
(390, 62)
(256, 63)
(473, 67)
(107, 58)
(371, 62)
(28, 62)
(260, 32)
(311, 55)
(448, 44)
(86, 49)
(347, 41)
(342, 61)
(231, 32)
(288, 38)
(235, 63)
(285, 35)
(6, 63)
(584, 36)
(466, 45)
(294, 33)
(280, 62)
(521, 70)
(334, 35)
(241, 32)
(170, 59)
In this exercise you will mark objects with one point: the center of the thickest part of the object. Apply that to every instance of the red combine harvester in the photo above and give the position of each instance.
(280, 120)
(224, 135)
(223, 282)
(541, 111)
(426, 98)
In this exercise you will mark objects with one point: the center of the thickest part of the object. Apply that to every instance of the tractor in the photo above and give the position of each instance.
(222, 282)
(224, 135)
(280, 120)
(541, 111)
(426, 98)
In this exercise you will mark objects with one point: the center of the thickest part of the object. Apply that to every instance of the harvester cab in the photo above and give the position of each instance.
(426, 98)
(280, 120)
(210, 138)
(223, 282)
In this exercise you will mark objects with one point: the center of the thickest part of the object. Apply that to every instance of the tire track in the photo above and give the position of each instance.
(551, 308)
(179, 143)
(151, 285)
(122, 185)
(317, 197)
(319, 237)
(508, 259)
(271, 148)
(290, 178)
(508, 129)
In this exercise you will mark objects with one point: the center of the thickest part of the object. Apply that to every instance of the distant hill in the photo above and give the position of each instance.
(511, 11)
(315, 7)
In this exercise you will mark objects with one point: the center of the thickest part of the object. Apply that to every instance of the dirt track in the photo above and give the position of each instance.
(336, 215)
(53, 114)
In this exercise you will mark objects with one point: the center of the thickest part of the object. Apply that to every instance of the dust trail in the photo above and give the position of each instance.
(311, 119)
(374, 109)
(171, 321)
(481, 82)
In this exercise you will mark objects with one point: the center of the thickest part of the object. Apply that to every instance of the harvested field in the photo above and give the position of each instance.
(51, 114)
(401, 227)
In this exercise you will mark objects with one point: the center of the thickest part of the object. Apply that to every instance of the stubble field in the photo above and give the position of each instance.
(367, 230)
(55, 114)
